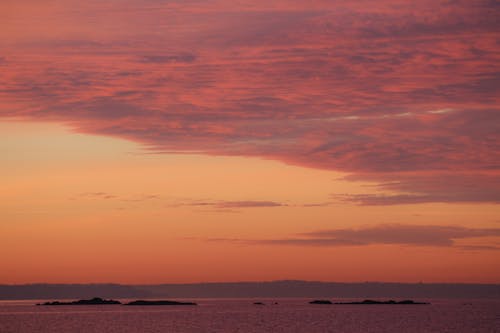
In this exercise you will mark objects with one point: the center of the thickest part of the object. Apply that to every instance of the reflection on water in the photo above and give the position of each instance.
(242, 315)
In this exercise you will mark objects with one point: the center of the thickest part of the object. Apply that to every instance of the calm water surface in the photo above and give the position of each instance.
(223, 315)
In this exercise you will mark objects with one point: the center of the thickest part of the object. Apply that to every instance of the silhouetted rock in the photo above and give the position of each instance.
(141, 302)
(390, 302)
(93, 301)
(320, 301)
(258, 303)
(409, 301)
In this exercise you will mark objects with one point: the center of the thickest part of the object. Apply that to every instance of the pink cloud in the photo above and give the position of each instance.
(388, 91)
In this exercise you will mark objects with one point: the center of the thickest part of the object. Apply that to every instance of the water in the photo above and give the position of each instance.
(241, 315)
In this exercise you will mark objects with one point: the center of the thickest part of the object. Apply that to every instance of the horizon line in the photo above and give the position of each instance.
(248, 282)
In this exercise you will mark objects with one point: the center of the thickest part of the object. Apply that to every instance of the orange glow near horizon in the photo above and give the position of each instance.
(92, 209)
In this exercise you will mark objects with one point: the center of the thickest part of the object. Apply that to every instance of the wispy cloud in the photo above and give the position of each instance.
(98, 195)
(141, 197)
(418, 188)
(388, 234)
(223, 206)
(248, 204)
(406, 234)
(107, 196)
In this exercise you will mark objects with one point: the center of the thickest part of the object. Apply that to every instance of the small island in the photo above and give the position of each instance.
(93, 301)
(258, 303)
(390, 302)
(320, 301)
(142, 302)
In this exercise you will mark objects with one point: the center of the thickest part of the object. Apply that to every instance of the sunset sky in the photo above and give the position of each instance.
(150, 141)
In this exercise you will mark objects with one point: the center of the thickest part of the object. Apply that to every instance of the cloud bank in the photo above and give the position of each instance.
(393, 91)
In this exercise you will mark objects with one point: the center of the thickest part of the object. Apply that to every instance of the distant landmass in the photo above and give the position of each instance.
(390, 302)
(368, 302)
(93, 301)
(142, 302)
(306, 289)
(100, 301)
(70, 291)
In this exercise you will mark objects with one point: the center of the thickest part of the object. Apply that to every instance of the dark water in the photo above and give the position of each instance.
(218, 315)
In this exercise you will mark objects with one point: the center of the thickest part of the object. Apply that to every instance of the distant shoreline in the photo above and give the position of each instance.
(272, 289)
(101, 301)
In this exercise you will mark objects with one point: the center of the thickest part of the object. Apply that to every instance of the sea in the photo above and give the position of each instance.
(242, 315)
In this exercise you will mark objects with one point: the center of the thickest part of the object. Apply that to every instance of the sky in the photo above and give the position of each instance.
(150, 141)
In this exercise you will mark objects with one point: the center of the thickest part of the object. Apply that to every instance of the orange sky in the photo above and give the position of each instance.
(78, 208)
(187, 141)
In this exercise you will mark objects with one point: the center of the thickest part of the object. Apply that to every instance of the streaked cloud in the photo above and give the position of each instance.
(386, 234)
(223, 206)
(247, 204)
(417, 188)
(97, 195)
(107, 196)
(405, 234)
